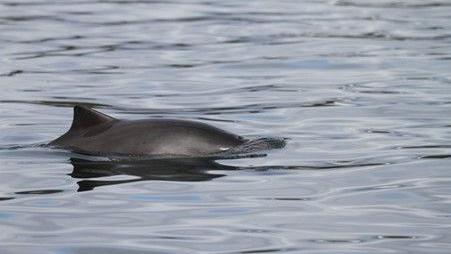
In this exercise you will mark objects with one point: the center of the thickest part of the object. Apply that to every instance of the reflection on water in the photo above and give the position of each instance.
(97, 173)
(158, 169)
(360, 88)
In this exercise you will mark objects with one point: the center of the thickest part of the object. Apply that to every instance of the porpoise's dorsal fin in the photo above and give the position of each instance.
(85, 117)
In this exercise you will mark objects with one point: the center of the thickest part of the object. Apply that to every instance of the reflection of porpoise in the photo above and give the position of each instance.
(95, 133)
(93, 173)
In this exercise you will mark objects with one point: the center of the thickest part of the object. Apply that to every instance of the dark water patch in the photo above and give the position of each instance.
(17, 72)
(23, 18)
(289, 199)
(66, 51)
(256, 230)
(424, 147)
(268, 250)
(327, 103)
(11, 73)
(377, 131)
(101, 70)
(271, 87)
(381, 35)
(149, 45)
(392, 4)
(48, 39)
(392, 133)
(79, 13)
(6, 198)
(38, 192)
(178, 66)
(408, 237)
(366, 239)
(336, 241)
(55, 103)
(436, 156)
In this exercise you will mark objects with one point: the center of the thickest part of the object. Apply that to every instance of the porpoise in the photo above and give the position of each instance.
(95, 133)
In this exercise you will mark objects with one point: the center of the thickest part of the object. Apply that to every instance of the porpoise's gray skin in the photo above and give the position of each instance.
(95, 133)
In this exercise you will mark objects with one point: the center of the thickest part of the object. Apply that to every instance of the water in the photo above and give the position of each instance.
(361, 89)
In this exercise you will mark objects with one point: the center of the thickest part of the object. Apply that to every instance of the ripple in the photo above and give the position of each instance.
(5, 198)
(366, 239)
(38, 192)
(392, 4)
(436, 156)
(269, 250)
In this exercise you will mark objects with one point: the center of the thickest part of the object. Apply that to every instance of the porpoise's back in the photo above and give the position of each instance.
(93, 132)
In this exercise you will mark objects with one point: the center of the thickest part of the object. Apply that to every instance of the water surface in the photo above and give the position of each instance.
(362, 90)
